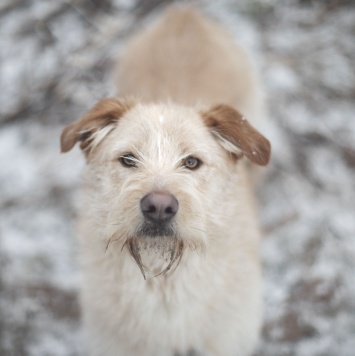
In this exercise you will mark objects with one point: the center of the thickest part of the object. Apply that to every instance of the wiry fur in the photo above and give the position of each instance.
(202, 287)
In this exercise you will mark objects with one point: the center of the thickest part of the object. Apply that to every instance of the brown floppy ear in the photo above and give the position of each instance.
(104, 114)
(236, 135)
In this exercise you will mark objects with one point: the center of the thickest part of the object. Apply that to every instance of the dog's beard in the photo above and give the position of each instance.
(158, 241)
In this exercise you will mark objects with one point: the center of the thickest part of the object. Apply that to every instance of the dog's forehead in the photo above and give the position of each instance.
(177, 125)
(164, 117)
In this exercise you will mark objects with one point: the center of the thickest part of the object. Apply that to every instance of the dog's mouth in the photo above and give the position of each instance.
(149, 229)
(158, 242)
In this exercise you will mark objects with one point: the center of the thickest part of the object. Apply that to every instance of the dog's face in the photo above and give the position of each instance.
(161, 174)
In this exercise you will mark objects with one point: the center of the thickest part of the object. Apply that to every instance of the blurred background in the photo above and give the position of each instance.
(56, 60)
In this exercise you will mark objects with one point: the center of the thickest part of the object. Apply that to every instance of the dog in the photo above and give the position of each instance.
(168, 234)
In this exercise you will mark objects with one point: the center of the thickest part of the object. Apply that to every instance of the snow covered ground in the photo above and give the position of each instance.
(56, 60)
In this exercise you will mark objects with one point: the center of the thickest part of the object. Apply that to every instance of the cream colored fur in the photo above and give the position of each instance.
(210, 303)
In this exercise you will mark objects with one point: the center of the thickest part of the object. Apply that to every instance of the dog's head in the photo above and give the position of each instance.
(161, 176)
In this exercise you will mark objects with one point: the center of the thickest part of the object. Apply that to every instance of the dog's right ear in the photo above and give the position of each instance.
(236, 135)
(105, 114)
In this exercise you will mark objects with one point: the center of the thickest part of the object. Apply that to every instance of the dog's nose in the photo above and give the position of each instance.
(159, 207)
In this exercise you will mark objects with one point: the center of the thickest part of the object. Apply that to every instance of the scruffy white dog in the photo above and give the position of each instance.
(169, 240)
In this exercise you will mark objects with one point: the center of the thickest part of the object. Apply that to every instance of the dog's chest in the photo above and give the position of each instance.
(171, 310)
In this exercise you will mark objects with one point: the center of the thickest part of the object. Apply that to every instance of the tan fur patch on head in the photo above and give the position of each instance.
(89, 129)
(236, 135)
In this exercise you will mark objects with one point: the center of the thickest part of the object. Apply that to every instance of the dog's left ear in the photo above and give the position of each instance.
(105, 113)
(236, 135)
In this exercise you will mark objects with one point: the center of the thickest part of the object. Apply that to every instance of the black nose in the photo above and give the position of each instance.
(159, 207)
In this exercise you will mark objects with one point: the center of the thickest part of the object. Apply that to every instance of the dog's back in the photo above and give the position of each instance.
(189, 60)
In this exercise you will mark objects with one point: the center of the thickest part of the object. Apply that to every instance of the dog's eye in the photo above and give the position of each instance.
(128, 160)
(191, 163)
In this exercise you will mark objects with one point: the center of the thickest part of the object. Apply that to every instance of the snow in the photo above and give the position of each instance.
(56, 61)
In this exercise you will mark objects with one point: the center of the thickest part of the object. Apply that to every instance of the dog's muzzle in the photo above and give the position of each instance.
(157, 233)
(158, 210)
